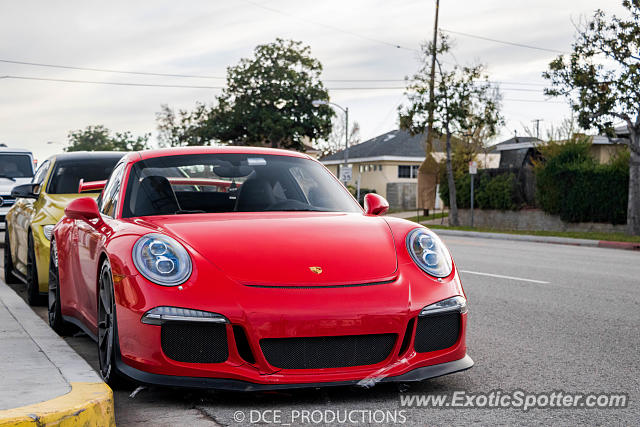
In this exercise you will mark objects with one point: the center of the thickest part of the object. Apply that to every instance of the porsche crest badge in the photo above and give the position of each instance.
(317, 270)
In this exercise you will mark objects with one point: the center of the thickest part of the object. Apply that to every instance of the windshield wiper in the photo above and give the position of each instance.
(187, 211)
(8, 177)
(295, 210)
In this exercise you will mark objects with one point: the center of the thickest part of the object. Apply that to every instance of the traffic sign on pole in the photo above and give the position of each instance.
(346, 173)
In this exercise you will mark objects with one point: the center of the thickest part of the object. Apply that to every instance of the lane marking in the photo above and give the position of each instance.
(505, 277)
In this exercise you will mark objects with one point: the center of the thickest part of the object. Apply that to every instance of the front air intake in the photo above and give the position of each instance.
(437, 331)
(327, 352)
(194, 342)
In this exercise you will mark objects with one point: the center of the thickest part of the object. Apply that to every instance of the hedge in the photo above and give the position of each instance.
(574, 186)
(498, 191)
(569, 182)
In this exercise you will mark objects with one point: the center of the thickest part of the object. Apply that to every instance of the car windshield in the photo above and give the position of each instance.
(15, 166)
(208, 183)
(66, 175)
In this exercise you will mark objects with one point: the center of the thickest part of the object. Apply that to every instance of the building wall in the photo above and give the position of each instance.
(604, 152)
(402, 195)
(376, 175)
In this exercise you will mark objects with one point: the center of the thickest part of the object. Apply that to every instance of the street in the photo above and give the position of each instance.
(542, 317)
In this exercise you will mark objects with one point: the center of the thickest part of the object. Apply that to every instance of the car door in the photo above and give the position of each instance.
(21, 217)
(89, 239)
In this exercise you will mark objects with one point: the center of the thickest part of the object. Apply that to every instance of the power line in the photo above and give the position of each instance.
(110, 83)
(170, 85)
(527, 46)
(200, 76)
(48, 79)
(105, 70)
(341, 30)
(533, 100)
(149, 73)
(222, 87)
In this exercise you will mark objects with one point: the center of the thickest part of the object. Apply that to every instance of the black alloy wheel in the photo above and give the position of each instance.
(9, 278)
(33, 288)
(56, 321)
(107, 328)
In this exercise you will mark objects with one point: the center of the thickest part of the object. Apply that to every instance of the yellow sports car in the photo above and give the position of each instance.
(38, 208)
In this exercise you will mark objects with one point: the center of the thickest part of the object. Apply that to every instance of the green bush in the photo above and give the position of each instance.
(496, 192)
(571, 184)
(490, 192)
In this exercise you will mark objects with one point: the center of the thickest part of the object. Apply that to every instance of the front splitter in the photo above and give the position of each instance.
(418, 374)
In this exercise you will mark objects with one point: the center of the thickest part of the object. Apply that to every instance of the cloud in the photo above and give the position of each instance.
(203, 37)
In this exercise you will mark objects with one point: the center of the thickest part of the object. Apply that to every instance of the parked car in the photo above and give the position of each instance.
(16, 167)
(38, 207)
(252, 269)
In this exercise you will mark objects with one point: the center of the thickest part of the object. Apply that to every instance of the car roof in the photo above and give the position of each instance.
(9, 150)
(178, 151)
(87, 155)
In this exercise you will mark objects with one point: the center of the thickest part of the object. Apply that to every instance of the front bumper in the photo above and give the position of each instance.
(266, 313)
(3, 217)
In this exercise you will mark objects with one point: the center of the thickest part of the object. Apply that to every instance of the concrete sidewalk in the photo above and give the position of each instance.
(42, 380)
(539, 239)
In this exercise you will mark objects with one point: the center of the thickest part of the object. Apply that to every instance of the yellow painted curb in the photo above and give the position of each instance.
(87, 404)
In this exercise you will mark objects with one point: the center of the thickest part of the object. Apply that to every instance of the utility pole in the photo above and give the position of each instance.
(422, 175)
(346, 138)
(537, 124)
(432, 81)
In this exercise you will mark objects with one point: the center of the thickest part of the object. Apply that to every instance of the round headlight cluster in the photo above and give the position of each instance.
(162, 259)
(429, 253)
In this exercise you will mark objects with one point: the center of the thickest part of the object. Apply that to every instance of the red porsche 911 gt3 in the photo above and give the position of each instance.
(252, 269)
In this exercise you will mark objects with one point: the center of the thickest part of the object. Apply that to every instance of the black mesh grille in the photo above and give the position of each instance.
(327, 352)
(437, 332)
(195, 342)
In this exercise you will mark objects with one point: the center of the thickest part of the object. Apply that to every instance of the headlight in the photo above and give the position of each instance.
(161, 259)
(159, 315)
(429, 253)
(48, 231)
(458, 303)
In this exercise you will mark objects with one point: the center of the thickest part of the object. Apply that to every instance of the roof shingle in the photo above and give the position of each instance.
(394, 143)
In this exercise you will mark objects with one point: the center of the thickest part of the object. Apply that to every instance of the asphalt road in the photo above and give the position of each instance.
(571, 326)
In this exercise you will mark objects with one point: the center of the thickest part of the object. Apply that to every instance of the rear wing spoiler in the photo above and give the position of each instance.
(91, 186)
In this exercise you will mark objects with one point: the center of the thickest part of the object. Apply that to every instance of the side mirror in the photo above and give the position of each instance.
(24, 191)
(374, 204)
(84, 208)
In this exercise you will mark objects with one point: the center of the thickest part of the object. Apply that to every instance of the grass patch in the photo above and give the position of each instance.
(428, 218)
(614, 237)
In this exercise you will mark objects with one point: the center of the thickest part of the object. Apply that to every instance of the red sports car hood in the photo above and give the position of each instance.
(293, 248)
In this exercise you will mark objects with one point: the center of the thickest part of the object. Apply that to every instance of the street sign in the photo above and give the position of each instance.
(346, 173)
(473, 168)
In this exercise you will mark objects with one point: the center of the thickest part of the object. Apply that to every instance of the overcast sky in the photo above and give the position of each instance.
(352, 39)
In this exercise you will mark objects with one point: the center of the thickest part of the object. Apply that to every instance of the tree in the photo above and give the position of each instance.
(99, 138)
(464, 104)
(268, 99)
(184, 128)
(601, 81)
(335, 142)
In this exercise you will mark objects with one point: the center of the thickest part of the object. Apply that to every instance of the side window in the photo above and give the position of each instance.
(41, 173)
(109, 197)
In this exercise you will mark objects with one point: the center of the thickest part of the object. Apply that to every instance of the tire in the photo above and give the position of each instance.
(33, 288)
(56, 321)
(8, 261)
(108, 329)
